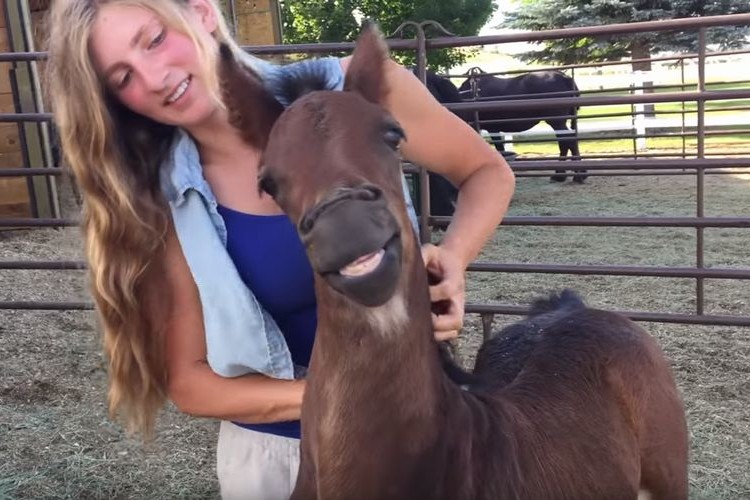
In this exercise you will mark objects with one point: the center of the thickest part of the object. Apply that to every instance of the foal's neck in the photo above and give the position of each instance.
(381, 356)
(376, 393)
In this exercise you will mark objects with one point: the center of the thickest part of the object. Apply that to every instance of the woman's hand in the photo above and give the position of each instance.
(447, 289)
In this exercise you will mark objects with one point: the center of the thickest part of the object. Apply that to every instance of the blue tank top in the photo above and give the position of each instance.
(271, 260)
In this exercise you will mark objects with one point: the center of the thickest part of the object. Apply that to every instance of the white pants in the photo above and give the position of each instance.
(254, 465)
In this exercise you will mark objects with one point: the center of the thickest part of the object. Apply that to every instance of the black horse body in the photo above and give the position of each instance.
(542, 85)
(443, 194)
(538, 85)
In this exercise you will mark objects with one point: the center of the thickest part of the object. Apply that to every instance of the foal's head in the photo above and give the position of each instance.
(332, 164)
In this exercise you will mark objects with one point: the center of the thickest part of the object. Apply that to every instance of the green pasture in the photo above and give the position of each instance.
(675, 107)
(738, 143)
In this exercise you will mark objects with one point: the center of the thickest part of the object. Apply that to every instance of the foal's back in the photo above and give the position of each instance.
(589, 399)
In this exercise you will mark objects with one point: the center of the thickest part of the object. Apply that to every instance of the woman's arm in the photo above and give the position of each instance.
(443, 143)
(193, 386)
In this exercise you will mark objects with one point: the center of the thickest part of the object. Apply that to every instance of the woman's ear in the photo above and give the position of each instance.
(205, 14)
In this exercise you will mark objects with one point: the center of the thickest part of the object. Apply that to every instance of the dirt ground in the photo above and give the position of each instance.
(56, 440)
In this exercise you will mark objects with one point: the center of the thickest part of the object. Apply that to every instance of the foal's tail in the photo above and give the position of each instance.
(567, 300)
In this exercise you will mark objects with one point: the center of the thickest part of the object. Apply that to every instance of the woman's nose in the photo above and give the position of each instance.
(155, 79)
(154, 74)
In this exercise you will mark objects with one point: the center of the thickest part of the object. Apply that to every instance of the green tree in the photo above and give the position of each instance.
(551, 14)
(309, 21)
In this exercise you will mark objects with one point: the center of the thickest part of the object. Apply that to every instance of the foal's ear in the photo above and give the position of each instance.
(365, 72)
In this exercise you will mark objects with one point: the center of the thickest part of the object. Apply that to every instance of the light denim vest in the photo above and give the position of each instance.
(241, 337)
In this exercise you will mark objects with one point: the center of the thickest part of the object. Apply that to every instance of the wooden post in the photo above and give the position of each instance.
(258, 22)
(14, 192)
(24, 143)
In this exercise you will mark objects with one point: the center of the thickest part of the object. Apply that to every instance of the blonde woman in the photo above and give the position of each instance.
(203, 289)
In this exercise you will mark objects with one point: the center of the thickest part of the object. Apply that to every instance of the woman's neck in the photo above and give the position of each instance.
(218, 142)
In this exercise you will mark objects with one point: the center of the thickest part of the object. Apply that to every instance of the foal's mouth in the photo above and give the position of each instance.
(372, 278)
(364, 265)
(354, 244)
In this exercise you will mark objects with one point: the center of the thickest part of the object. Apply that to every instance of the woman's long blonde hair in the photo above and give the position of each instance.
(115, 156)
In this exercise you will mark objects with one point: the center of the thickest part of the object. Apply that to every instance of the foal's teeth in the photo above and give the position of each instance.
(364, 264)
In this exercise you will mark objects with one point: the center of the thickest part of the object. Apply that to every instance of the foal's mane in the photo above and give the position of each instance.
(305, 79)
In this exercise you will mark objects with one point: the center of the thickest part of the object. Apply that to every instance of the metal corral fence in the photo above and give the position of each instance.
(698, 164)
(636, 132)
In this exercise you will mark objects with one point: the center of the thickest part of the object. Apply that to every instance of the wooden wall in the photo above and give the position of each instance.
(258, 22)
(14, 192)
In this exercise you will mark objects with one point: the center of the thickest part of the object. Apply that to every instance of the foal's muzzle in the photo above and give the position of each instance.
(353, 242)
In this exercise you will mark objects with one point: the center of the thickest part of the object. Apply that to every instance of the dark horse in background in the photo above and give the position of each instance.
(443, 194)
(542, 85)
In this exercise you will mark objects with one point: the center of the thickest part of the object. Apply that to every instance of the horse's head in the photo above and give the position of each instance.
(332, 164)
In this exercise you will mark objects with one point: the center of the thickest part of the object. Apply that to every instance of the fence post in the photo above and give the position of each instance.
(487, 325)
(422, 178)
(683, 109)
(700, 154)
(639, 118)
(25, 83)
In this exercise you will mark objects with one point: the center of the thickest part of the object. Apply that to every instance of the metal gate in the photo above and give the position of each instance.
(643, 165)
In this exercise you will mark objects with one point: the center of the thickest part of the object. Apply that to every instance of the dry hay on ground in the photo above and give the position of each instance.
(57, 441)
(712, 364)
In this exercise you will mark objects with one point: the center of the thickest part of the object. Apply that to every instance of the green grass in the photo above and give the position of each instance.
(735, 143)
(689, 87)
(669, 106)
(673, 107)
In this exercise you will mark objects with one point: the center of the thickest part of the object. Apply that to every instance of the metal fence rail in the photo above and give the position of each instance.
(647, 164)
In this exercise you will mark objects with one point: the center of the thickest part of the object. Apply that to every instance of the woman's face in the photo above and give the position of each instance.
(153, 69)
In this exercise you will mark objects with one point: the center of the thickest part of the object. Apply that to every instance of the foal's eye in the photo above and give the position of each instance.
(393, 136)
(267, 185)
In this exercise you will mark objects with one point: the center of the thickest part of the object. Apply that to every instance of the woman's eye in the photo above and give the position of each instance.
(123, 81)
(158, 39)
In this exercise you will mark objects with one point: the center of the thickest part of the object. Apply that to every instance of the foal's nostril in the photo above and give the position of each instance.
(366, 192)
